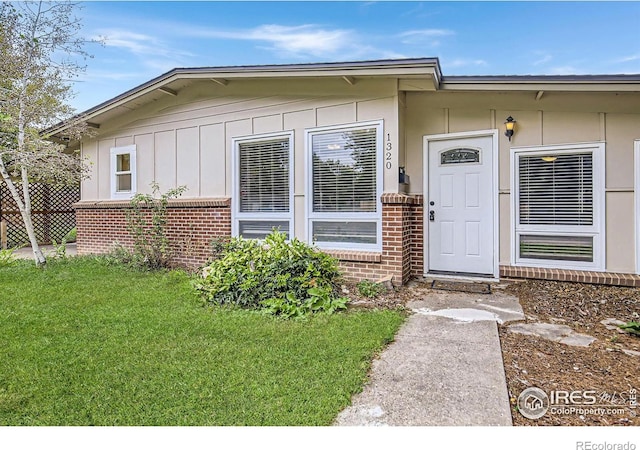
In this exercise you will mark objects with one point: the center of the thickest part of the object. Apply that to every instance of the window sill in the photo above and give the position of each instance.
(558, 264)
(350, 255)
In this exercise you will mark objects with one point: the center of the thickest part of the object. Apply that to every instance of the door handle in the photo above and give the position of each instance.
(432, 216)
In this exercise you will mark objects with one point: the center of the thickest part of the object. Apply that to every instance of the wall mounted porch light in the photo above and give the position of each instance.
(509, 125)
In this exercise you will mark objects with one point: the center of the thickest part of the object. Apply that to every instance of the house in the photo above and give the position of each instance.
(388, 165)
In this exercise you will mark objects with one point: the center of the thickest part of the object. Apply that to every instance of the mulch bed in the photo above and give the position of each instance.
(602, 366)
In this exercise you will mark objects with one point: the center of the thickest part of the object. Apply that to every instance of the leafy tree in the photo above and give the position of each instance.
(39, 53)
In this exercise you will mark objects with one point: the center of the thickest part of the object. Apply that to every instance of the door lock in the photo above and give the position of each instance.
(432, 216)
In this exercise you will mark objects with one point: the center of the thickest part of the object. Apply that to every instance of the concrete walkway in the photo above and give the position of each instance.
(48, 250)
(444, 368)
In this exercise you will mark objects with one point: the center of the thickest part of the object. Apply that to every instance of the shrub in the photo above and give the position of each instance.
(288, 278)
(146, 222)
(370, 289)
(72, 235)
(119, 254)
(7, 257)
(60, 249)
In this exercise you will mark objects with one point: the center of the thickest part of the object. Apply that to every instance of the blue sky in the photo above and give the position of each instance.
(146, 39)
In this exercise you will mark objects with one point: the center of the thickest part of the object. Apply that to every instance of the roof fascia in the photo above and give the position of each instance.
(567, 83)
(418, 67)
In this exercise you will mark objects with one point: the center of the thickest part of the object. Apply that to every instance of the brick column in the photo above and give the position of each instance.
(417, 237)
(399, 229)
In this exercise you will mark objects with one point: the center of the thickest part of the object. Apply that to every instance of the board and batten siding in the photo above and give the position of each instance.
(556, 118)
(187, 140)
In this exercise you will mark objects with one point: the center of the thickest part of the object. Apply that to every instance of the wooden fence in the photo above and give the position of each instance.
(52, 213)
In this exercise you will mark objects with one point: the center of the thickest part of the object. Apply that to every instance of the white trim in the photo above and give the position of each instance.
(114, 152)
(597, 230)
(236, 216)
(636, 152)
(493, 134)
(310, 216)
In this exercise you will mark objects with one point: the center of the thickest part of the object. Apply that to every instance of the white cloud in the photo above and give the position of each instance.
(290, 40)
(565, 70)
(629, 58)
(427, 36)
(95, 74)
(543, 58)
(461, 62)
(139, 44)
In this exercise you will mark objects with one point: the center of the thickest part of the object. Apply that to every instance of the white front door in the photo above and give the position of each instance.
(459, 204)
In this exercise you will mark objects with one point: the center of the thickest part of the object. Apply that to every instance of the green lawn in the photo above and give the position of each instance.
(83, 343)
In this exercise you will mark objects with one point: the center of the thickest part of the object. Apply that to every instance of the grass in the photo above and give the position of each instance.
(85, 343)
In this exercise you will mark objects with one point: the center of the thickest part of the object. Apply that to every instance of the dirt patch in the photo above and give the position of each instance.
(396, 297)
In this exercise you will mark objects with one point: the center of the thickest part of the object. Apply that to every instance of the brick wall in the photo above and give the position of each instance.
(191, 226)
(579, 276)
(401, 255)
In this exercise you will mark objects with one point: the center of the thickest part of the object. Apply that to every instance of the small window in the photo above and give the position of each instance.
(263, 185)
(345, 232)
(123, 172)
(562, 248)
(344, 183)
(460, 156)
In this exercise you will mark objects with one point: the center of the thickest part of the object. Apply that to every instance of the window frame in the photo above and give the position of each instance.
(131, 150)
(376, 216)
(596, 230)
(636, 157)
(236, 215)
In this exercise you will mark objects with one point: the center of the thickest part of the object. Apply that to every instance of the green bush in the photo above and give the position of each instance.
(288, 278)
(7, 257)
(121, 255)
(72, 235)
(147, 222)
(370, 289)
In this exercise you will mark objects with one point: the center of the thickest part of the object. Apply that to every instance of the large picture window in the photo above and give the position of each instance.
(558, 206)
(345, 186)
(263, 181)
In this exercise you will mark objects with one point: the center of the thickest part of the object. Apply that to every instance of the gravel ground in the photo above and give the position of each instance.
(531, 361)
(603, 366)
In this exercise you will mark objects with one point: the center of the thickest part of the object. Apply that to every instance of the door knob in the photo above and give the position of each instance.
(432, 215)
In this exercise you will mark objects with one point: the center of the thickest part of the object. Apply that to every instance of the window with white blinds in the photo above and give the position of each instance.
(556, 189)
(344, 171)
(344, 210)
(263, 185)
(558, 205)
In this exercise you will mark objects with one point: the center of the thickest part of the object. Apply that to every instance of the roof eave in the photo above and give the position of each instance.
(570, 83)
(415, 67)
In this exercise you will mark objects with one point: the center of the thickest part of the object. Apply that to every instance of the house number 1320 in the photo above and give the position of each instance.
(387, 152)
